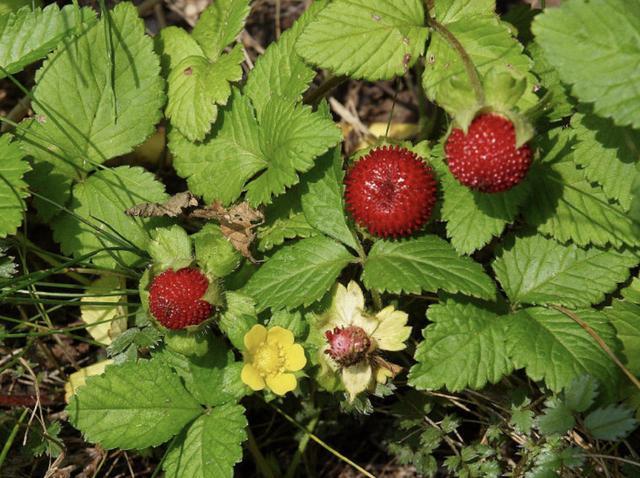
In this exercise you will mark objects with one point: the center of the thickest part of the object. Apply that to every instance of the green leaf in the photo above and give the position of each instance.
(464, 347)
(521, 419)
(218, 167)
(197, 87)
(118, 95)
(238, 318)
(134, 405)
(490, 46)
(280, 71)
(214, 252)
(171, 248)
(554, 348)
(424, 263)
(632, 291)
(552, 458)
(318, 262)
(291, 137)
(368, 39)
(292, 321)
(13, 189)
(556, 419)
(285, 142)
(10, 6)
(581, 393)
(174, 45)
(609, 155)
(322, 199)
(28, 35)
(210, 447)
(474, 218)
(566, 206)
(536, 270)
(560, 105)
(279, 229)
(51, 189)
(612, 423)
(607, 33)
(219, 25)
(447, 11)
(625, 317)
(206, 377)
(98, 219)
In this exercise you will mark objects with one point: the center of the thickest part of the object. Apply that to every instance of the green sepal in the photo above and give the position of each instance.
(503, 89)
(214, 253)
(187, 342)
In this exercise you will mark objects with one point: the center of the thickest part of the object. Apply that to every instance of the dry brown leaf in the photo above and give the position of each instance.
(237, 223)
(174, 207)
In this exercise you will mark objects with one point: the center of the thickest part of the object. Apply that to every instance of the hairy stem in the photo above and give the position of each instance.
(331, 82)
(472, 73)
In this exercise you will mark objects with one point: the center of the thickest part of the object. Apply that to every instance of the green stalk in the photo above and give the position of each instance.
(258, 457)
(12, 437)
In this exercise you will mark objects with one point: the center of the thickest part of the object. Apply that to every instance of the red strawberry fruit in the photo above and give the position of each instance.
(391, 192)
(175, 298)
(486, 158)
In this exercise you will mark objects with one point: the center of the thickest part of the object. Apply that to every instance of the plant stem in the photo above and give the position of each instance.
(257, 455)
(322, 443)
(472, 73)
(302, 446)
(331, 82)
(572, 315)
(12, 437)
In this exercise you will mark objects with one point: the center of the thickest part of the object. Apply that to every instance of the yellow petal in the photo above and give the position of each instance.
(282, 383)
(278, 335)
(392, 331)
(382, 374)
(366, 322)
(295, 358)
(251, 377)
(349, 304)
(356, 378)
(255, 337)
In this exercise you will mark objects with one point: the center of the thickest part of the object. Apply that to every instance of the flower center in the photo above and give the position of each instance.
(269, 359)
(347, 345)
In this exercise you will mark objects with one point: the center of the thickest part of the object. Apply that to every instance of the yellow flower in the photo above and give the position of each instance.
(270, 357)
(354, 338)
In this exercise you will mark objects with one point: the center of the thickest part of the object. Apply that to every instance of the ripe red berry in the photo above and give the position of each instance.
(347, 346)
(486, 157)
(391, 192)
(175, 298)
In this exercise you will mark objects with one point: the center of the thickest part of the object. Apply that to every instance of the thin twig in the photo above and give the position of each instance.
(572, 315)
(324, 445)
